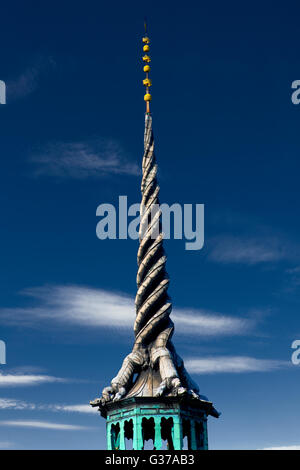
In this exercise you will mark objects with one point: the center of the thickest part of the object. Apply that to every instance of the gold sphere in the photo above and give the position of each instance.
(147, 68)
(146, 48)
(146, 58)
(147, 82)
(147, 97)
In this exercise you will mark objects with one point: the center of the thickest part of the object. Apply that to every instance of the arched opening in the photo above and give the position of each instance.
(128, 432)
(115, 436)
(148, 432)
(166, 433)
(186, 434)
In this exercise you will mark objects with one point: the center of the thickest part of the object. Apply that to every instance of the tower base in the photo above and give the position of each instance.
(172, 423)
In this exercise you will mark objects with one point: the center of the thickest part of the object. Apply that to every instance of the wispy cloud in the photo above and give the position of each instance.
(26, 380)
(74, 408)
(294, 271)
(6, 444)
(292, 279)
(83, 306)
(9, 403)
(246, 239)
(249, 250)
(295, 447)
(24, 84)
(14, 404)
(75, 305)
(83, 160)
(43, 425)
(232, 364)
(28, 80)
(204, 323)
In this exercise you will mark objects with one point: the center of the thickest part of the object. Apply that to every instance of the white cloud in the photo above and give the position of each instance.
(84, 306)
(247, 250)
(203, 323)
(83, 159)
(14, 404)
(25, 380)
(74, 408)
(296, 447)
(76, 305)
(232, 364)
(9, 403)
(43, 425)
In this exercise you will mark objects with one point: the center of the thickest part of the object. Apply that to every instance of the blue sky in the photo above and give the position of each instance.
(227, 136)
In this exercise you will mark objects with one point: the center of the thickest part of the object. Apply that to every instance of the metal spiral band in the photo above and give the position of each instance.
(153, 305)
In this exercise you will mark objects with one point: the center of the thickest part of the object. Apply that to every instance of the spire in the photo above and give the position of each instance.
(146, 59)
(152, 303)
(153, 368)
(159, 369)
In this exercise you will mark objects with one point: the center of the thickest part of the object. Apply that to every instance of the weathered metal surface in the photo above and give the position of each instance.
(159, 369)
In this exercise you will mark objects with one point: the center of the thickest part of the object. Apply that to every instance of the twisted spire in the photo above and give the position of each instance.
(153, 305)
(159, 369)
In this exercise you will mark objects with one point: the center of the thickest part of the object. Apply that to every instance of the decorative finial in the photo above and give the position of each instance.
(146, 59)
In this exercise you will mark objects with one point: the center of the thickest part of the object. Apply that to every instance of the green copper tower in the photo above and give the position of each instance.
(153, 402)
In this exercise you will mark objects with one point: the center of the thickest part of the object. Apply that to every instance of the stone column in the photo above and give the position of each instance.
(157, 439)
(122, 435)
(177, 433)
(108, 436)
(138, 442)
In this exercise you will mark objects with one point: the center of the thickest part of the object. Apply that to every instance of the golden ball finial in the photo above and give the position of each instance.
(146, 58)
(147, 82)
